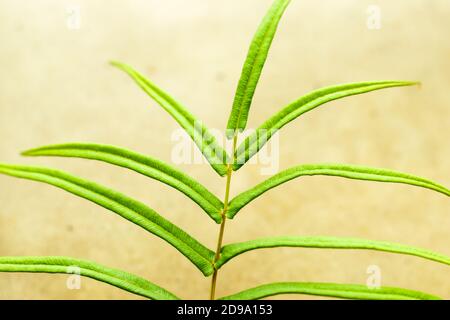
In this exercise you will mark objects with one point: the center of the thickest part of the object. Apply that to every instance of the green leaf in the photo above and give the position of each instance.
(124, 206)
(254, 142)
(345, 291)
(232, 250)
(338, 170)
(145, 165)
(251, 72)
(121, 279)
(199, 133)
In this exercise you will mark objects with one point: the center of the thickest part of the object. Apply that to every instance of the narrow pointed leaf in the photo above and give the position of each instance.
(345, 291)
(124, 206)
(254, 142)
(198, 132)
(232, 250)
(254, 63)
(145, 165)
(118, 278)
(338, 170)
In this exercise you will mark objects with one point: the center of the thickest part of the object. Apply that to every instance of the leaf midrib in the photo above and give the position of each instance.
(143, 163)
(258, 54)
(144, 217)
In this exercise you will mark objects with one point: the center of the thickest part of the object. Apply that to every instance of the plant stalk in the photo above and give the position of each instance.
(212, 292)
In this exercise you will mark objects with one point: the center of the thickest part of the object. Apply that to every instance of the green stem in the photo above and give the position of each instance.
(212, 292)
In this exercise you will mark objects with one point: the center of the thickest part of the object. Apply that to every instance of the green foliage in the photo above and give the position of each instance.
(338, 170)
(256, 58)
(206, 260)
(117, 278)
(199, 133)
(254, 142)
(346, 291)
(130, 209)
(232, 250)
(145, 165)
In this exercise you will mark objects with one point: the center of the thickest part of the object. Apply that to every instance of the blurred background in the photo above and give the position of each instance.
(56, 86)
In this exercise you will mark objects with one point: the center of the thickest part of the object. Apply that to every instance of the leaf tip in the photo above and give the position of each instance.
(412, 83)
(118, 64)
(27, 153)
(33, 152)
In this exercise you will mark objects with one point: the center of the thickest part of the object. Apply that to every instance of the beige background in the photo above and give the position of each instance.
(56, 86)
